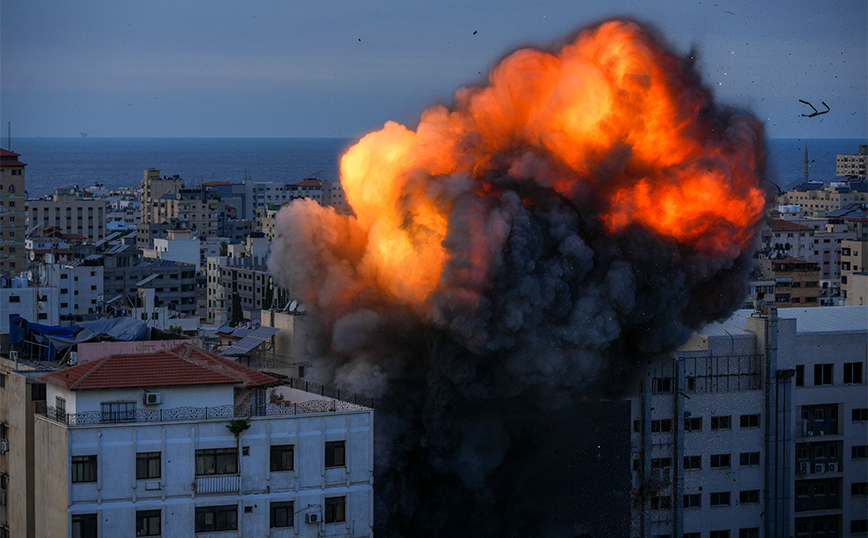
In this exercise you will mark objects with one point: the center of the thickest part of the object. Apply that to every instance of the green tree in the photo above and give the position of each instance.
(175, 329)
(237, 313)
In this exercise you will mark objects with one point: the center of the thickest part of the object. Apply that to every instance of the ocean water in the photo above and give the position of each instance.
(120, 162)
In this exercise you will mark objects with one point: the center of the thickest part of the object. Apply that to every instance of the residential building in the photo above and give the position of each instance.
(854, 260)
(183, 442)
(757, 426)
(72, 211)
(155, 187)
(189, 209)
(827, 253)
(19, 297)
(241, 273)
(852, 165)
(818, 198)
(79, 288)
(797, 282)
(12, 213)
(856, 217)
(788, 239)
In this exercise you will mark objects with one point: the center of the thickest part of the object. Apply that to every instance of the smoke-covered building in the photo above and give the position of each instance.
(756, 427)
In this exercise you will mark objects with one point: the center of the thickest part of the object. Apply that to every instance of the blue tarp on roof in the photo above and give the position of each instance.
(54, 338)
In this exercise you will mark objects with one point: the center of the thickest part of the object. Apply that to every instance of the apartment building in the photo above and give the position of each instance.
(854, 260)
(12, 213)
(183, 442)
(757, 427)
(71, 210)
(797, 282)
(817, 198)
(155, 187)
(852, 164)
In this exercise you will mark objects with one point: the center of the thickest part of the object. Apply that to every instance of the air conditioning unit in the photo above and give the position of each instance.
(832, 467)
(13, 355)
(805, 467)
(153, 398)
(314, 517)
(819, 467)
(4, 447)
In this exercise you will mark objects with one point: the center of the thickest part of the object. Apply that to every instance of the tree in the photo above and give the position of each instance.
(237, 313)
(224, 248)
(175, 329)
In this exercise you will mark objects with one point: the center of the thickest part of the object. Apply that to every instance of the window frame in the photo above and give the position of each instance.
(216, 512)
(720, 459)
(335, 509)
(145, 462)
(286, 511)
(83, 469)
(335, 454)
(202, 459)
(144, 518)
(277, 453)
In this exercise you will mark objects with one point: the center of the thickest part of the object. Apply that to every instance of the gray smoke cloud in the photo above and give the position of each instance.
(489, 396)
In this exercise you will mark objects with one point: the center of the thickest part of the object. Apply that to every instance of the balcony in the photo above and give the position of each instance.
(218, 484)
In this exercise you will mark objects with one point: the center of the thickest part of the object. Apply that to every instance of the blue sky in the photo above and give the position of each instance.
(266, 68)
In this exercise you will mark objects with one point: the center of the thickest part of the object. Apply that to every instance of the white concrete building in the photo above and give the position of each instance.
(184, 443)
(80, 287)
(757, 427)
(179, 246)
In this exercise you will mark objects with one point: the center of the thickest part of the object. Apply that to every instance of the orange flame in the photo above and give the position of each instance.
(611, 114)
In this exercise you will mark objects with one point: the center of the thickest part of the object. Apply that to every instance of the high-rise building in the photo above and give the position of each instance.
(854, 164)
(12, 213)
(758, 426)
(72, 211)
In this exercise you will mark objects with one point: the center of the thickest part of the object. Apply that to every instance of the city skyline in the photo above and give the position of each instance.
(275, 70)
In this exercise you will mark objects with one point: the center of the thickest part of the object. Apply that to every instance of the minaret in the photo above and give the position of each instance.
(806, 161)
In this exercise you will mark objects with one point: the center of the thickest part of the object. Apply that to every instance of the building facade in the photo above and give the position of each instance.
(13, 215)
(72, 211)
(854, 164)
(757, 427)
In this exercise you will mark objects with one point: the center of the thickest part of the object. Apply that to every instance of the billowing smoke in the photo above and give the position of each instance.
(514, 258)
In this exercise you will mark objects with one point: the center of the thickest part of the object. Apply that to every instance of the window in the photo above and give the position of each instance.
(282, 458)
(752, 532)
(720, 498)
(852, 372)
(661, 384)
(749, 496)
(721, 422)
(216, 518)
(658, 426)
(720, 460)
(2, 381)
(859, 452)
(823, 374)
(14, 299)
(858, 526)
(120, 411)
(147, 465)
(800, 375)
(719, 534)
(694, 500)
(83, 469)
(693, 424)
(661, 502)
(749, 421)
(692, 462)
(281, 514)
(147, 523)
(216, 461)
(860, 414)
(692, 535)
(749, 459)
(84, 526)
(335, 454)
(859, 488)
(335, 509)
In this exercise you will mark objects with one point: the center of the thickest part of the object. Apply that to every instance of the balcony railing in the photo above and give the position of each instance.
(195, 413)
(218, 484)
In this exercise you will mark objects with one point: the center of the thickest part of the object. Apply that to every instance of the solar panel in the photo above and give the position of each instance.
(249, 342)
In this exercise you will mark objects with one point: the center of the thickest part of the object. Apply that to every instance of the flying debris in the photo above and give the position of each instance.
(815, 113)
(514, 258)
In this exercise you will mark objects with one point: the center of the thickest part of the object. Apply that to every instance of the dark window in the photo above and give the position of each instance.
(282, 458)
(749, 459)
(858, 526)
(852, 372)
(281, 514)
(693, 500)
(216, 461)
(800, 375)
(661, 463)
(661, 384)
(823, 374)
(216, 518)
(147, 523)
(720, 498)
(661, 502)
(693, 424)
(749, 496)
(859, 452)
(692, 462)
(335, 509)
(659, 426)
(719, 534)
(860, 414)
(692, 535)
(720, 460)
(721, 422)
(15, 299)
(752, 532)
(749, 421)
(859, 488)
(147, 465)
(117, 411)
(83, 469)
(335, 454)
(83, 525)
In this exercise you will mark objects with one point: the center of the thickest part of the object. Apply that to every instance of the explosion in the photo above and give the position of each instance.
(581, 213)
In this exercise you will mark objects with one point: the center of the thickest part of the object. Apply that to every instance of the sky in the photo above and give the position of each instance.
(272, 68)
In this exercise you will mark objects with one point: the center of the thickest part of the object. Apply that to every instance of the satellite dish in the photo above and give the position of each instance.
(292, 305)
(32, 255)
(301, 309)
(30, 275)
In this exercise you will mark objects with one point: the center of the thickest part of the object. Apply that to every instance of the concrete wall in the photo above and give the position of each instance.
(51, 476)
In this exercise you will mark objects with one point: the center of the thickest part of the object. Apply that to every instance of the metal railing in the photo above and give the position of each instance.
(330, 392)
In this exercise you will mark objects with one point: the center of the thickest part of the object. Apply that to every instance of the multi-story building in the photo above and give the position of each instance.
(827, 253)
(183, 442)
(79, 287)
(21, 297)
(242, 273)
(854, 261)
(797, 282)
(756, 427)
(72, 211)
(855, 216)
(12, 213)
(852, 165)
(817, 198)
(155, 187)
(787, 238)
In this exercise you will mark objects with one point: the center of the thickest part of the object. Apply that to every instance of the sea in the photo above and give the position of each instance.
(120, 162)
